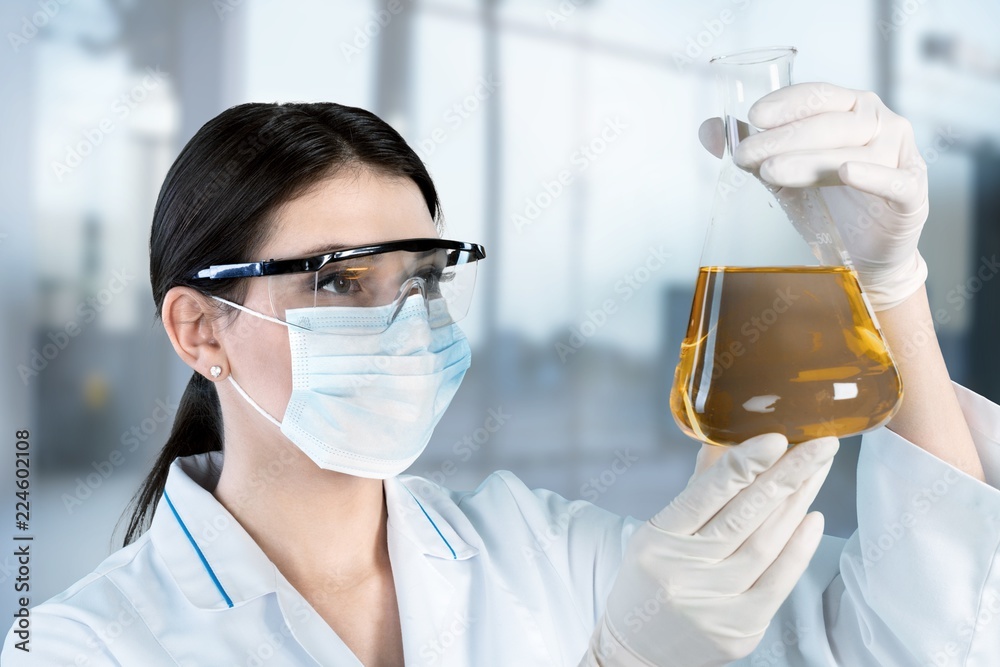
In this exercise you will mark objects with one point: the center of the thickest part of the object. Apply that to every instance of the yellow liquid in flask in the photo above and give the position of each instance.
(789, 350)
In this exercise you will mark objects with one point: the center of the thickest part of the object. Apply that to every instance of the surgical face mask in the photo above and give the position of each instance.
(366, 404)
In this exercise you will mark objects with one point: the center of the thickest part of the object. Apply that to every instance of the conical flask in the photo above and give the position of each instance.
(781, 338)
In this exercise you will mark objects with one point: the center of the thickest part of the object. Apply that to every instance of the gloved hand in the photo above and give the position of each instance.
(865, 158)
(701, 580)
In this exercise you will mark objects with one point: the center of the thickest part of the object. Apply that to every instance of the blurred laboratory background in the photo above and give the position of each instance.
(561, 135)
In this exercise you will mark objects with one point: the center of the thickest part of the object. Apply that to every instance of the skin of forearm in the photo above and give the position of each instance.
(930, 416)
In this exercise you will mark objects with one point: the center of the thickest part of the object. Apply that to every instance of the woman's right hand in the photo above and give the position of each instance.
(701, 580)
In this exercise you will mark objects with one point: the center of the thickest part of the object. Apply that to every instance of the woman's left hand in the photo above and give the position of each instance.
(865, 156)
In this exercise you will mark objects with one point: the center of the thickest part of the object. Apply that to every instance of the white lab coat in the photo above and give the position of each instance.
(507, 576)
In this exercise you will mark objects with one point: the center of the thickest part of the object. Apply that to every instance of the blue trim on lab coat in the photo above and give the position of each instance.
(204, 562)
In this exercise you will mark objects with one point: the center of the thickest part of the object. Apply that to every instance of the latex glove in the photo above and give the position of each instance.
(701, 580)
(864, 157)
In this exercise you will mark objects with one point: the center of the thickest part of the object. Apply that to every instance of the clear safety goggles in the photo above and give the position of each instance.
(374, 279)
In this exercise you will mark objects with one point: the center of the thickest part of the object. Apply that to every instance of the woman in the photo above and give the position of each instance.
(319, 375)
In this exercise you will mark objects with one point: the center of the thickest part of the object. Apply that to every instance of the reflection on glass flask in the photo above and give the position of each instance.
(791, 350)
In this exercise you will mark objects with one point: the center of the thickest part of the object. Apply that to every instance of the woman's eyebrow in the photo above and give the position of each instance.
(320, 250)
(334, 247)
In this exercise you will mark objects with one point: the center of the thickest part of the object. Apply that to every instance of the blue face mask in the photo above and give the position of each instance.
(366, 404)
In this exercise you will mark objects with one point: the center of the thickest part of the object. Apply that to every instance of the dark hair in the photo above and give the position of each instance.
(217, 206)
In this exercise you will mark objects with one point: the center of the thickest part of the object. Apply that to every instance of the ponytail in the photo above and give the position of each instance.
(197, 429)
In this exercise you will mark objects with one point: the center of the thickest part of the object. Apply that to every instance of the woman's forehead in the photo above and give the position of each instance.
(350, 210)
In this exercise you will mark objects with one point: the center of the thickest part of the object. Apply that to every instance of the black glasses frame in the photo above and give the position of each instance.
(273, 267)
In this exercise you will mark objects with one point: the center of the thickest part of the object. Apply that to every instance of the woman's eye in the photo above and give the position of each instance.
(338, 283)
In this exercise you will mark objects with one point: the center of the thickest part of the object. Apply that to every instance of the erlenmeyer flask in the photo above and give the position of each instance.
(781, 337)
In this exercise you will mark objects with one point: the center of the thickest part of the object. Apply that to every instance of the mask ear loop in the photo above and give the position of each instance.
(253, 403)
(232, 379)
(260, 315)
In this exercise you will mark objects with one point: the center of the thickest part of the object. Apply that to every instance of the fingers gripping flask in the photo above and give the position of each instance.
(781, 338)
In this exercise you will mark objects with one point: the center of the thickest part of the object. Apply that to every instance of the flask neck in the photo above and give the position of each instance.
(745, 77)
(754, 223)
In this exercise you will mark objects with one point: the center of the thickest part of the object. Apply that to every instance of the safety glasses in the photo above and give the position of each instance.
(369, 284)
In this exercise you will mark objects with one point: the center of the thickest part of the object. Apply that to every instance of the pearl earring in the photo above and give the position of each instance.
(216, 371)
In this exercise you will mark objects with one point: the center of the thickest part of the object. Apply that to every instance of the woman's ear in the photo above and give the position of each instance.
(192, 322)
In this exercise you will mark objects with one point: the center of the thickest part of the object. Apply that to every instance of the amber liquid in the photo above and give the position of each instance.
(791, 350)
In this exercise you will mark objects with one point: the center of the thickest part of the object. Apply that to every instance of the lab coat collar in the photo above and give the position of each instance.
(218, 565)
(412, 506)
(210, 555)
(432, 566)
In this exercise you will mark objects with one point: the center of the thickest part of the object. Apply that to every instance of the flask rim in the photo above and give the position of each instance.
(754, 56)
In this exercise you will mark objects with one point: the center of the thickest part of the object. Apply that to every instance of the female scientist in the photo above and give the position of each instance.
(297, 265)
